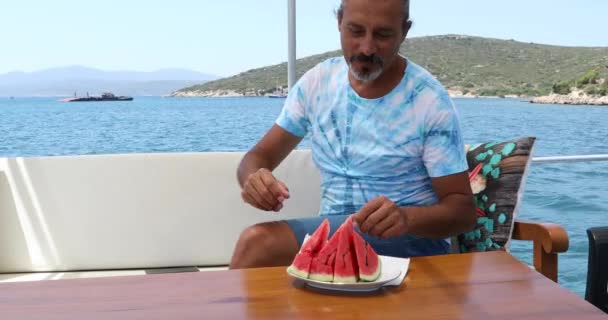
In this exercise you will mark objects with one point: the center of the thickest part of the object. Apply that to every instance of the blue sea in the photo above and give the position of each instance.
(574, 195)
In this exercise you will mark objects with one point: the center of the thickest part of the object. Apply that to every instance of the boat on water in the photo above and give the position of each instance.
(106, 96)
(279, 93)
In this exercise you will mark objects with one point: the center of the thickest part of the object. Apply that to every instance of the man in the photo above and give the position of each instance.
(385, 137)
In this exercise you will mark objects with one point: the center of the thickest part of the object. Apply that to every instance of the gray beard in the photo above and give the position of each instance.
(365, 77)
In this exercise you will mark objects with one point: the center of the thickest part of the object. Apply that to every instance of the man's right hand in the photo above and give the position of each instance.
(263, 191)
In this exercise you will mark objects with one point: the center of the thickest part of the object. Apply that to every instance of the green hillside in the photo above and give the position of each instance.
(593, 82)
(475, 65)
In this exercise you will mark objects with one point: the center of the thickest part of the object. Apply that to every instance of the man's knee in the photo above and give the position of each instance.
(256, 237)
(265, 244)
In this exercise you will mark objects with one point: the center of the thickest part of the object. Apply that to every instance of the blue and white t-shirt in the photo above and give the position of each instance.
(365, 148)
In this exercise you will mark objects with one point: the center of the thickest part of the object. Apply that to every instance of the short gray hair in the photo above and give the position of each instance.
(406, 10)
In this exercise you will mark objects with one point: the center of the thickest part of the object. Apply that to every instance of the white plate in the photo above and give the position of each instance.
(387, 276)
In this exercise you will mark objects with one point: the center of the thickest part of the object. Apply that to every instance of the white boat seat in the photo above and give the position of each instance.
(132, 211)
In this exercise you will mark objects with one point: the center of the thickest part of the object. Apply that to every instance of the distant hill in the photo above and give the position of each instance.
(67, 80)
(471, 65)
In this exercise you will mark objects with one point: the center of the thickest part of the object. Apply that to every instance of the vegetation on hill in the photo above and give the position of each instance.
(593, 82)
(261, 80)
(471, 65)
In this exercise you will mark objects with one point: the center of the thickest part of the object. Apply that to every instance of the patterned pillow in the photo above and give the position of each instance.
(497, 171)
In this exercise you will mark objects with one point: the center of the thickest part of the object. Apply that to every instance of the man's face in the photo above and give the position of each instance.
(370, 33)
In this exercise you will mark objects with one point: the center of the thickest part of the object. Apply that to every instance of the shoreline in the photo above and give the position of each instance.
(577, 97)
(252, 94)
(574, 98)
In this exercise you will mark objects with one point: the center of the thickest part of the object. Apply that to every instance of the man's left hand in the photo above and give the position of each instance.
(382, 218)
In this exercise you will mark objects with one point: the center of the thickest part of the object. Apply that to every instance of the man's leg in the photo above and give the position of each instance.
(267, 244)
(407, 246)
(273, 244)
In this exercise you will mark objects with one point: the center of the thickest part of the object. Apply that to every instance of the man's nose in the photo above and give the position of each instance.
(368, 46)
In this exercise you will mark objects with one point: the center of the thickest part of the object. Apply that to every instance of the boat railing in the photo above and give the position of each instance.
(575, 158)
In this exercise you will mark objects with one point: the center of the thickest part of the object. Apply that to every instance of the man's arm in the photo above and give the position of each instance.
(452, 215)
(259, 187)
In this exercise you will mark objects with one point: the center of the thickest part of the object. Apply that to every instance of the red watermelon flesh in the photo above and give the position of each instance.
(318, 238)
(301, 263)
(367, 259)
(322, 266)
(345, 269)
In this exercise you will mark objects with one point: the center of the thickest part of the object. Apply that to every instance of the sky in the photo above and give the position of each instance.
(226, 37)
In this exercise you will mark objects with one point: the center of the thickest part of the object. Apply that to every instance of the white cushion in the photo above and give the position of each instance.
(133, 211)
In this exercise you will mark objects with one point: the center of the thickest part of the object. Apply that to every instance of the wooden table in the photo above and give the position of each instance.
(465, 286)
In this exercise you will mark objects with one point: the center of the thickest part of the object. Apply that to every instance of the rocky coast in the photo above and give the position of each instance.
(574, 98)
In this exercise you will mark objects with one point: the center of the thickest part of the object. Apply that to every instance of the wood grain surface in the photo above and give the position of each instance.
(485, 286)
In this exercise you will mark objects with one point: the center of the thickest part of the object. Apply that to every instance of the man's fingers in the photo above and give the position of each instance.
(398, 226)
(361, 216)
(267, 198)
(383, 225)
(372, 220)
(255, 195)
(284, 189)
(247, 198)
(263, 191)
(276, 188)
(393, 231)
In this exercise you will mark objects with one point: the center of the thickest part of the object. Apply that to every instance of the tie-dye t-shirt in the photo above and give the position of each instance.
(365, 148)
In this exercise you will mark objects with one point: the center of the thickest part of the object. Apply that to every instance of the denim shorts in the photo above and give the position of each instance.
(404, 246)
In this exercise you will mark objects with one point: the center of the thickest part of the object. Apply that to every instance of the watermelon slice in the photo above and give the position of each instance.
(322, 266)
(301, 263)
(367, 259)
(345, 268)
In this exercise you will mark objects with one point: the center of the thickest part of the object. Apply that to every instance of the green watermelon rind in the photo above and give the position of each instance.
(346, 256)
(330, 248)
(362, 250)
(297, 272)
(301, 265)
(324, 277)
(345, 280)
(309, 251)
(374, 276)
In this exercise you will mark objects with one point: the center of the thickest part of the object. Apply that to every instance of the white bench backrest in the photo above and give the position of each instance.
(134, 210)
